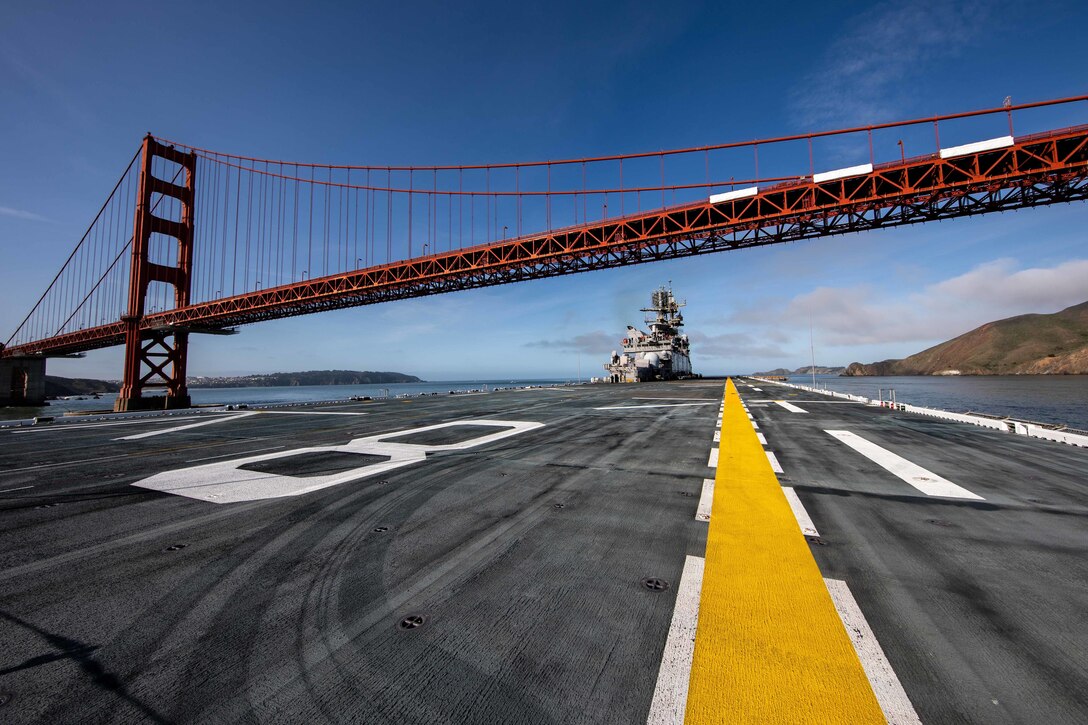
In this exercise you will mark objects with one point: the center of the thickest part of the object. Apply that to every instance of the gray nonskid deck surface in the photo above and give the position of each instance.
(524, 556)
(980, 606)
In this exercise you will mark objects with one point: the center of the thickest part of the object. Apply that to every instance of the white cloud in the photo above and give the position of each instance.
(869, 314)
(20, 214)
(597, 342)
(735, 345)
(864, 74)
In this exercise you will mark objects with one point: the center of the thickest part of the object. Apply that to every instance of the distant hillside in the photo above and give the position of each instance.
(1055, 344)
(56, 387)
(807, 370)
(311, 377)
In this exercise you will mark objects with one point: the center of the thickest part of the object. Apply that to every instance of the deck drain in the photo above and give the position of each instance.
(558, 505)
(380, 529)
(412, 621)
(47, 506)
(815, 540)
(382, 483)
(5, 698)
(654, 584)
(175, 547)
(685, 493)
(938, 522)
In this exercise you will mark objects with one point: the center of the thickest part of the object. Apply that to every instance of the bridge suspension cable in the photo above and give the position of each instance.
(274, 237)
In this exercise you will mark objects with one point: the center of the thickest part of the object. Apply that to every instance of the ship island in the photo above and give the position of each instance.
(663, 353)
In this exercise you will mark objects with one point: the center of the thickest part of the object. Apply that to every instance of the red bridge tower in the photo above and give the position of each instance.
(155, 356)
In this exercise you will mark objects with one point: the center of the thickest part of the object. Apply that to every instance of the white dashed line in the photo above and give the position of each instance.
(23, 488)
(706, 500)
(775, 465)
(925, 481)
(762, 439)
(713, 462)
(886, 686)
(671, 692)
(799, 512)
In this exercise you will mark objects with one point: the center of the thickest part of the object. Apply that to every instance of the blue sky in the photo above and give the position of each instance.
(434, 83)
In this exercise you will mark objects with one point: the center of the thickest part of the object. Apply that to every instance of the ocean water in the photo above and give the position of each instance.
(1061, 399)
(280, 395)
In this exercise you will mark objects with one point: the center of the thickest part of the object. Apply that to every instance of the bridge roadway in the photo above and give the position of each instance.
(524, 557)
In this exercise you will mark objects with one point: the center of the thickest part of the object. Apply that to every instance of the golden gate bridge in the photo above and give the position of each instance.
(198, 241)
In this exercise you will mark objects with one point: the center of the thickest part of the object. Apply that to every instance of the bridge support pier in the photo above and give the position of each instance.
(155, 358)
(22, 381)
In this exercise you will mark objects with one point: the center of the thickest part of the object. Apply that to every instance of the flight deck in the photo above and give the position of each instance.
(582, 554)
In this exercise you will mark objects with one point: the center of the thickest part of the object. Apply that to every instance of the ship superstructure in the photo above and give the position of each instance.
(663, 353)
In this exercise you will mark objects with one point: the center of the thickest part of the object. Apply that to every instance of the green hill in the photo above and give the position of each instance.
(1055, 344)
(56, 386)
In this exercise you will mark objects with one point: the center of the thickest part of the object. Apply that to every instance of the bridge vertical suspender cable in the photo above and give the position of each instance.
(82, 306)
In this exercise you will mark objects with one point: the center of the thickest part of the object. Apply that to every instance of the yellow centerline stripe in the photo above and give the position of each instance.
(770, 647)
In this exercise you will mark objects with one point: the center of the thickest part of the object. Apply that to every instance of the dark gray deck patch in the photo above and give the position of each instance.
(316, 463)
(448, 436)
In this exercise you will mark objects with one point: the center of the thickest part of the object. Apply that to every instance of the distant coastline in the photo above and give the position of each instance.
(58, 387)
(310, 377)
(807, 370)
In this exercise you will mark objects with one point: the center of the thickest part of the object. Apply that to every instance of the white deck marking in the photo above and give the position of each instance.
(671, 692)
(236, 453)
(775, 465)
(717, 436)
(188, 426)
(758, 390)
(762, 439)
(754, 423)
(799, 512)
(78, 426)
(304, 412)
(233, 416)
(713, 462)
(63, 463)
(925, 481)
(21, 488)
(886, 686)
(706, 500)
(791, 407)
(652, 405)
(227, 482)
(111, 458)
